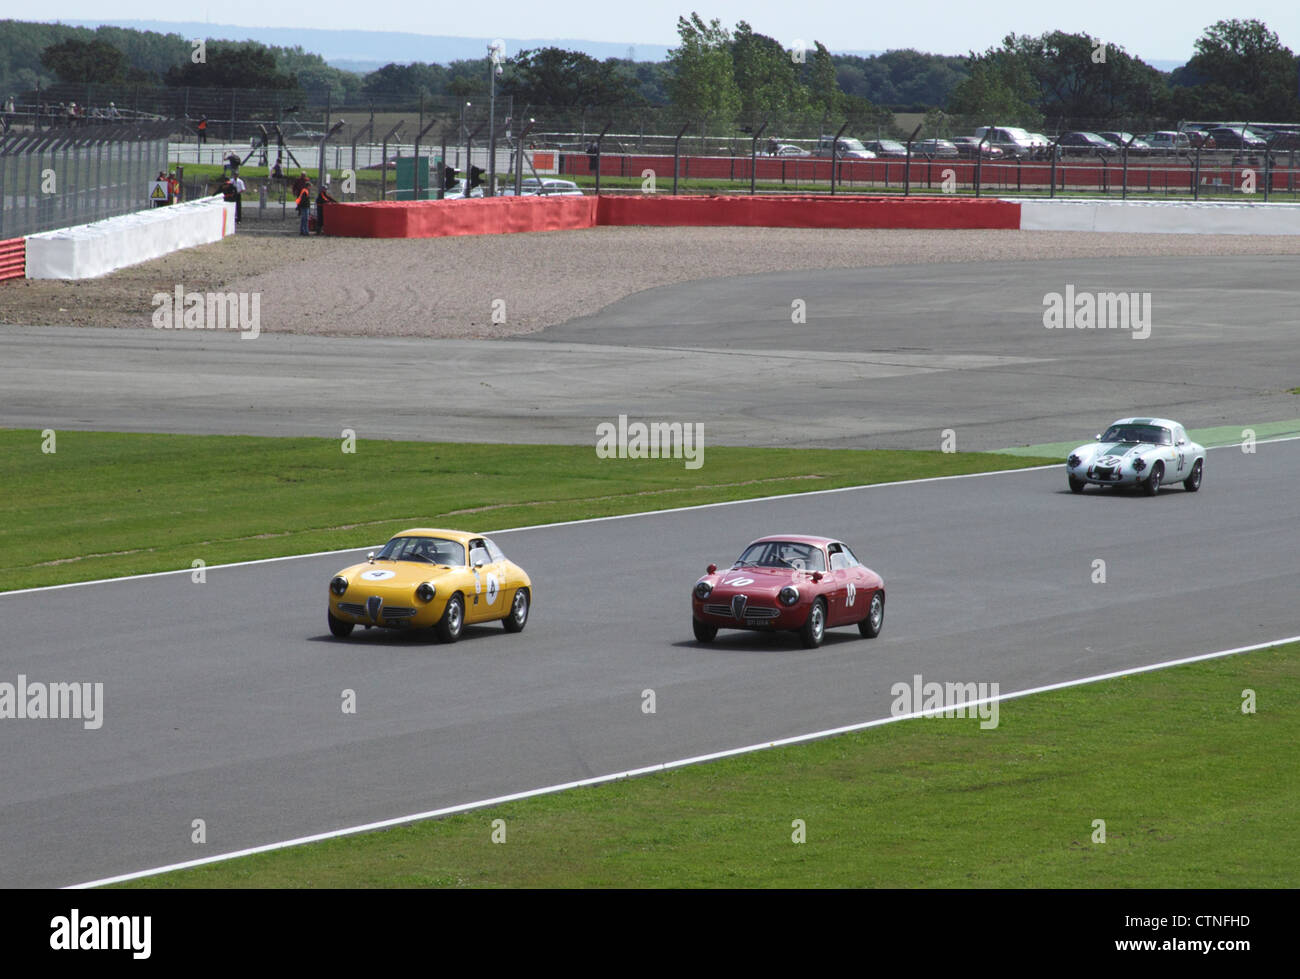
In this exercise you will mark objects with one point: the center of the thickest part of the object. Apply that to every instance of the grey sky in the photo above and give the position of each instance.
(1151, 30)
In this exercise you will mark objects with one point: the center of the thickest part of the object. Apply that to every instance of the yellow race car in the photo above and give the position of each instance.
(438, 579)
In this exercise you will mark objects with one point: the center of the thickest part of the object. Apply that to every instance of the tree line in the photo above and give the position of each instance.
(722, 77)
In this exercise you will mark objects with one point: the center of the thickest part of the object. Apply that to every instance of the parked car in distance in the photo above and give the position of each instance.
(1042, 146)
(847, 148)
(1236, 138)
(1137, 146)
(789, 149)
(1085, 144)
(937, 148)
(1168, 141)
(1284, 140)
(968, 147)
(1200, 138)
(1013, 141)
(886, 147)
(545, 187)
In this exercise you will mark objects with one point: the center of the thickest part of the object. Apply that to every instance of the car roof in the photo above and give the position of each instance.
(1162, 422)
(796, 539)
(464, 536)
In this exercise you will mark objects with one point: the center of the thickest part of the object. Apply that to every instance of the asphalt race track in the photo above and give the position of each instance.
(222, 700)
(888, 358)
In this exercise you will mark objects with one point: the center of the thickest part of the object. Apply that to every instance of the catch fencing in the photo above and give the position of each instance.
(68, 175)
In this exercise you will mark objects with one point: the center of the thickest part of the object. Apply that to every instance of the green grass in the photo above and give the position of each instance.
(1194, 793)
(109, 504)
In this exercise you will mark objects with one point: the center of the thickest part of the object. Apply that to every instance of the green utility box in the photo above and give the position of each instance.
(408, 167)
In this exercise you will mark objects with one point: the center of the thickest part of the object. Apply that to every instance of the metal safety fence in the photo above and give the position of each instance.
(66, 176)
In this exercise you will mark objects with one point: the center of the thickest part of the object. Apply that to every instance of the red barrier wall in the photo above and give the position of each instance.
(809, 212)
(476, 216)
(503, 215)
(13, 258)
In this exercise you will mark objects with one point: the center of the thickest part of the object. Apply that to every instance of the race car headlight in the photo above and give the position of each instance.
(339, 584)
(1139, 464)
(1074, 461)
(703, 589)
(425, 592)
(788, 595)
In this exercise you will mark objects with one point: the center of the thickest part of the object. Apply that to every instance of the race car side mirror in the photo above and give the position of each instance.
(1097, 437)
(371, 557)
(1182, 441)
(817, 576)
(711, 569)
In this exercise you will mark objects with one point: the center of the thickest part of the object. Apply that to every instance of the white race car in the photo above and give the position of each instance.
(1145, 452)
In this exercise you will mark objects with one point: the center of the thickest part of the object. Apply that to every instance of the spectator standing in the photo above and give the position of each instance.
(238, 182)
(303, 203)
(173, 188)
(203, 129)
(277, 172)
(322, 199)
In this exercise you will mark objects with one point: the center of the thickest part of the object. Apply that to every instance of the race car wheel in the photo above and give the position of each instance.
(453, 619)
(1193, 481)
(1076, 484)
(814, 628)
(338, 628)
(1152, 485)
(871, 625)
(518, 617)
(703, 631)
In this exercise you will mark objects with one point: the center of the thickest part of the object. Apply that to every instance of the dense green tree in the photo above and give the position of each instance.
(554, 76)
(702, 84)
(765, 76)
(230, 64)
(92, 62)
(399, 82)
(824, 95)
(1241, 70)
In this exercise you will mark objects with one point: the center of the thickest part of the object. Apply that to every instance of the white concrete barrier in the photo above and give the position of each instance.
(89, 250)
(1159, 217)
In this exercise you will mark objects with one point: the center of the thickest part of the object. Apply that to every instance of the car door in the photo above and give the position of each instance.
(841, 587)
(486, 602)
(1183, 451)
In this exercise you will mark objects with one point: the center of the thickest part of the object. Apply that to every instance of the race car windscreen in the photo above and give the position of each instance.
(783, 554)
(1138, 433)
(429, 550)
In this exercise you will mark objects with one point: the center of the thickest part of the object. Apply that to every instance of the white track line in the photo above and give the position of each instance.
(664, 766)
(571, 523)
(540, 526)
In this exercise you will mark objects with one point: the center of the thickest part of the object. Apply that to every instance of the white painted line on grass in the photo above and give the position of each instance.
(667, 766)
(540, 526)
(588, 520)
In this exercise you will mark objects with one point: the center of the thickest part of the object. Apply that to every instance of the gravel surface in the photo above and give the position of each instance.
(446, 287)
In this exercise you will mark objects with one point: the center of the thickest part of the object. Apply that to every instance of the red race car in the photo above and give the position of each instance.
(790, 582)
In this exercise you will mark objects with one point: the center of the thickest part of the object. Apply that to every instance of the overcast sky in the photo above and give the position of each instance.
(1151, 29)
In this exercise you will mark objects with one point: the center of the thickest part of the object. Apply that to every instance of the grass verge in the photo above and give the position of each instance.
(1193, 792)
(105, 504)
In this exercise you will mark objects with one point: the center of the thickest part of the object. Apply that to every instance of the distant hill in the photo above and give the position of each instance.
(368, 50)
